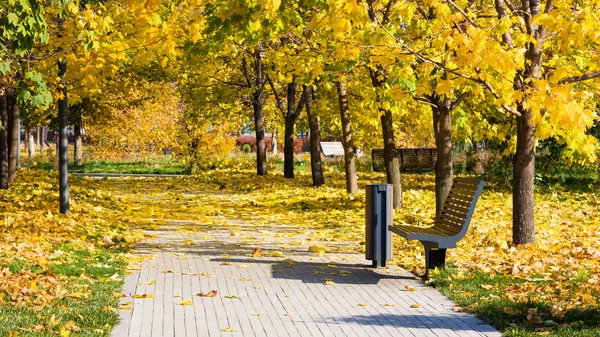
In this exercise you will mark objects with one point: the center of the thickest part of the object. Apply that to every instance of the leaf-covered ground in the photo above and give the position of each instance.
(57, 272)
(551, 287)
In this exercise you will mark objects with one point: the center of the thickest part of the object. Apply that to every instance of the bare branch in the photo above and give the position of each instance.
(579, 78)
(277, 99)
(424, 100)
(388, 10)
(463, 13)
(246, 74)
(459, 100)
(506, 37)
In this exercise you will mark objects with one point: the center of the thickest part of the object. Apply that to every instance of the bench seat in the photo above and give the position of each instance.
(450, 225)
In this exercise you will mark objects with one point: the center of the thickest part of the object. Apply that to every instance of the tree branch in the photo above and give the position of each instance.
(579, 78)
(506, 37)
(277, 99)
(463, 13)
(246, 74)
(459, 100)
(424, 100)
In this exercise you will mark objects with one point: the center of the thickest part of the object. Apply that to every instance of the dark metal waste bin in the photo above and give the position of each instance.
(378, 241)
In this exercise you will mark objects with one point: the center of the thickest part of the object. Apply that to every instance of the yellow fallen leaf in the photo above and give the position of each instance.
(229, 330)
(144, 296)
(366, 304)
(125, 307)
(168, 271)
(226, 263)
(186, 302)
(119, 295)
(257, 314)
(390, 305)
(409, 288)
(276, 253)
(231, 297)
(416, 305)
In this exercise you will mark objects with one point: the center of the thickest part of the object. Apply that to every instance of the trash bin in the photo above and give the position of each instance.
(378, 242)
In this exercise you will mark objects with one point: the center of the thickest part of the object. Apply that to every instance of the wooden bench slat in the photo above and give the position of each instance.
(458, 196)
(457, 202)
(451, 224)
(462, 191)
(445, 230)
(453, 213)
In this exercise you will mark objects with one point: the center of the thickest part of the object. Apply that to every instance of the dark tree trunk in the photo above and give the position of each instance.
(290, 120)
(523, 178)
(315, 139)
(259, 123)
(4, 140)
(13, 158)
(78, 145)
(347, 141)
(442, 127)
(392, 166)
(63, 140)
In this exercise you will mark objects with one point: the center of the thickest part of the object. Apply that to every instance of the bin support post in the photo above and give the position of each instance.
(378, 220)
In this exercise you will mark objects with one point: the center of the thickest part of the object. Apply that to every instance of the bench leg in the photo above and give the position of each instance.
(434, 258)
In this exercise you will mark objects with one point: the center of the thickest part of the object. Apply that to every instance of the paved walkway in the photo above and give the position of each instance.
(298, 294)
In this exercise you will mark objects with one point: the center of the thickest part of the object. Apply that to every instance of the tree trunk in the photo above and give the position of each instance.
(442, 127)
(13, 160)
(315, 140)
(30, 143)
(392, 166)
(259, 123)
(523, 178)
(44, 139)
(38, 137)
(4, 140)
(347, 141)
(290, 120)
(78, 143)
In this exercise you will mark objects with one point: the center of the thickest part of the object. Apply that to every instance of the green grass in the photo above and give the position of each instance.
(88, 301)
(161, 165)
(138, 166)
(484, 295)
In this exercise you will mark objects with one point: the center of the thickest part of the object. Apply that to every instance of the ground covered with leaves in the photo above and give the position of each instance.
(58, 272)
(550, 288)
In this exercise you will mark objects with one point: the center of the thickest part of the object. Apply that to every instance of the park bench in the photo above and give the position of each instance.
(410, 160)
(332, 149)
(450, 225)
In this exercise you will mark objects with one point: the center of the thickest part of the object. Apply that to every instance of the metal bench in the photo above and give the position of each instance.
(449, 227)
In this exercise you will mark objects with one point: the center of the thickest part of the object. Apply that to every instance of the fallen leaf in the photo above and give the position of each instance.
(256, 252)
(186, 302)
(212, 293)
(229, 330)
(366, 304)
(416, 305)
(144, 296)
(231, 297)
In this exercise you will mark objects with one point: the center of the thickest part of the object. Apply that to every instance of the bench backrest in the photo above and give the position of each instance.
(459, 206)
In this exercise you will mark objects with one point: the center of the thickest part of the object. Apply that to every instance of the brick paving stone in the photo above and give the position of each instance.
(273, 299)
